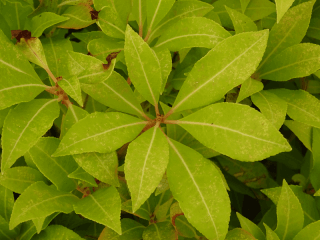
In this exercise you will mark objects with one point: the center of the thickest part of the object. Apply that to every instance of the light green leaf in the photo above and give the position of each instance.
(71, 86)
(282, 8)
(43, 222)
(300, 60)
(164, 57)
(192, 32)
(271, 106)
(40, 200)
(314, 174)
(101, 48)
(288, 32)
(252, 228)
(213, 76)
(25, 83)
(314, 29)
(17, 179)
(237, 137)
(57, 232)
(244, 5)
(289, 214)
(161, 230)
(248, 88)
(271, 235)
(3, 114)
(88, 69)
(208, 209)
(55, 169)
(74, 114)
(131, 230)
(5, 233)
(102, 166)
(241, 22)
(180, 9)
(82, 175)
(23, 127)
(310, 232)
(79, 17)
(139, 11)
(115, 93)
(239, 233)
(87, 37)
(143, 66)
(302, 106)
(302, 131)
(42, 21)
(6, 203)
(146, 161)
(96, 132)
(105, 208)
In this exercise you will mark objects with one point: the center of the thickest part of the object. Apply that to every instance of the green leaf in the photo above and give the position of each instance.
(42, 21)
(271, 235)
(24, 126)
(5, 233)
(248, 88)
(161, 230)
(87, 37)
(101, 48)
(300, 60)
(102, 166)
(271, 106)
(55, 232)
(28, 229)
(241, 22)
(79, 17)
(288, 32)
(239, 233)
(213, 76)
(25, 84)
(192, 32)
(139, 11)
(247, 136)
(252, 228)
(146, 161)
(42, 223)
(314, 174)
(131, 230)
(17, 179)
(244, 5)
(55, 169)
(282, 8)
(82, 175)
(289, 214)
(74, 114)
(302, 131)
(143, 66)
(310, 232)
(95, 133)
(143, 212)
(164, 57)
(314, 30)
(71, 86)
(105, 208)
(115, 93)
(40, 200)
(6, 203)
(88, 69)
(208, 209)
(302, 106)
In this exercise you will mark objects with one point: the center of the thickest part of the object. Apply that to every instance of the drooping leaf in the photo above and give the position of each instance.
(270, 234)
(101, 48)
(54, 232)
(239, 233)
(17, 179)
(23, 127)
(6, 203)
(271, 106)
(96, 132)
(161, 230)
(24, 84)
(146, 161)
(56, 169)
(248, 88)
(40, 200)
(241, 22)
(205, 208)
(214, 75)
(105, 208)
(102, 166)
(310, 232)
(237, 137)
(82, 175)
(302, 131)
(143, 66)
(282, 8)
(71, 86)
(192, 32)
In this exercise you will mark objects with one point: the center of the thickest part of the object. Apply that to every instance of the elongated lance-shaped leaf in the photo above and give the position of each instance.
(192, 32)
(40, 200)
(239, 233)
(314, 174)
(302, 131)
(100, 132)
(24, 125)
(207, 207)
(241, 22)
(143, 211)
(252, 228)
(43, 222)
(115, 93)
(71, 86)
(105, 208)
(24, 84)
(271, 106)
(244, 5)
(27, 230)
(139, 11)
(161, 230)
(247, 136)
(270, 234)
(310, 232)
(226, 66)
(288, 32)
(56, 169)
(282, 8)
(296, 61)
(289, 214)
(74, 114)
(143, 66)
(79, 17)
(146, 161)
(6, 202)
(103, 166)
(17, 179)
(101, 48)
(302, 106)
(165, 60)
(248, 88)
(82, 175)
(5, 233)
(314, 30)
(54, 232)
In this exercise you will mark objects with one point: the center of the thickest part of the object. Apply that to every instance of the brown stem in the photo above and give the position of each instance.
(171, 121)
(168, 113)
(147, 37)
(157, 109)
(129, 81)
(140, 29)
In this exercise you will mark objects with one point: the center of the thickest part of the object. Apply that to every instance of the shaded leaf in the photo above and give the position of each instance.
(314, 174)
(82, 175)
(241, 22)
(164, 57)
(101, 48)
(142, 212)
(314, 29)
(248, 88)
(71, 86)
(252, 228)
(6, 203)
(5, 233)
(27, 230)
(161, 230)
(55, 232)
(310, 232)
(239, 233)
(271, 235)
(302, 131)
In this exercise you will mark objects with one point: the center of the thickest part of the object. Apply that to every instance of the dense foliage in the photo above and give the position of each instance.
(160, 119)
